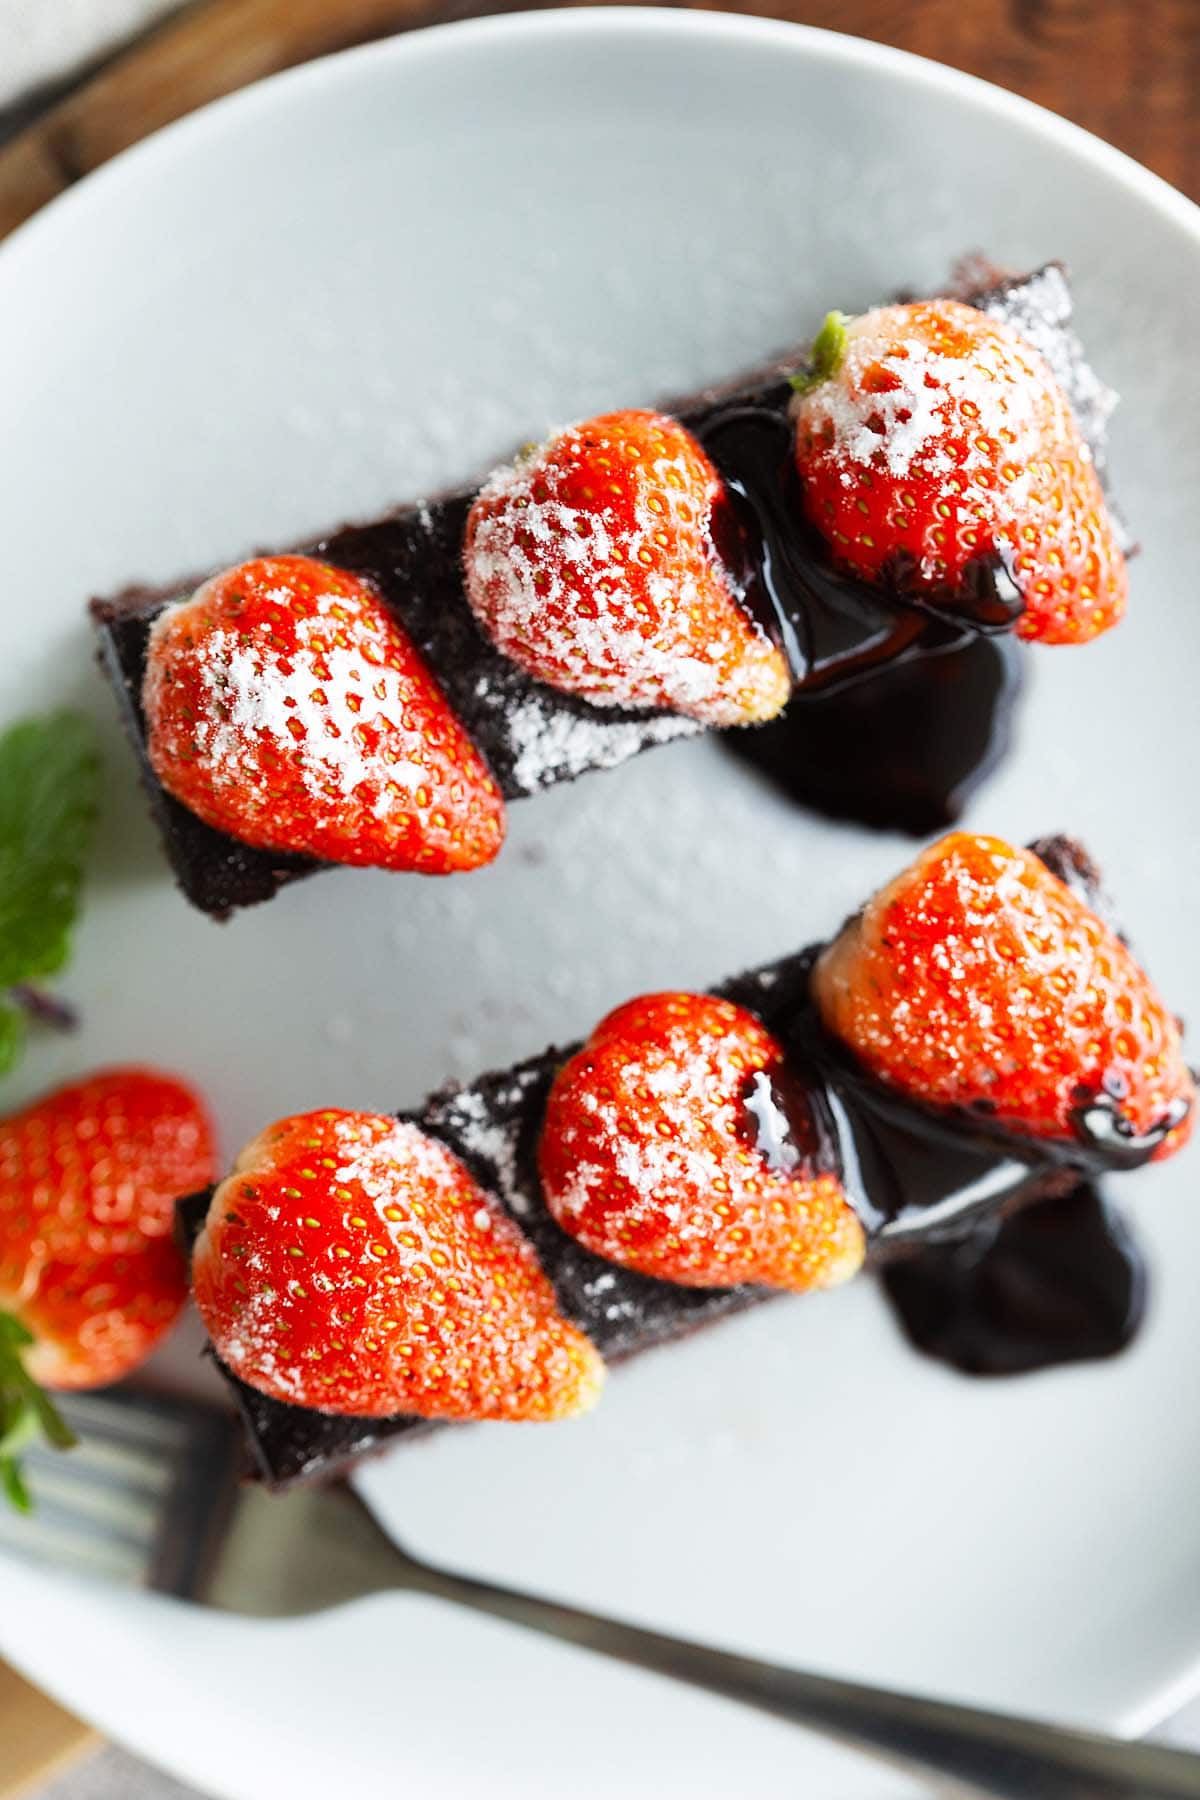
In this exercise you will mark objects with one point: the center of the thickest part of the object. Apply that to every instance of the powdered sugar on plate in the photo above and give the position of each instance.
(551, 744)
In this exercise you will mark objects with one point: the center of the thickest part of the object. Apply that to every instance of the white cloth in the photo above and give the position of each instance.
(41, 40)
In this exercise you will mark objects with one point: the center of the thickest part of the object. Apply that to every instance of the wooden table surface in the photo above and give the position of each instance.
(1128, 70)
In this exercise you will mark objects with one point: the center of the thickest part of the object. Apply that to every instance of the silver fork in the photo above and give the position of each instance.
(151, 1498)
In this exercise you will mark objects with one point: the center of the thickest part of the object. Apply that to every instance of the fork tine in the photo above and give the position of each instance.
(142, 1500)
(150, 1498)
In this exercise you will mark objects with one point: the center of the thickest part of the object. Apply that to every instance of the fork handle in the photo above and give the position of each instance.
(987, 1752)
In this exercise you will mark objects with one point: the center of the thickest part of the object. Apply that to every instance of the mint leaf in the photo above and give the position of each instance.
(12, 1034)
(49, 779)
(12, 1485)
(27, 1413)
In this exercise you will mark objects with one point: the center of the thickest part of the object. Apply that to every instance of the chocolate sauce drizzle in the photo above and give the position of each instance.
(998, 1255)
(782, 1122)
(1061, 1281)
(832, 627)
(903, 751)
(906, 748)
(982, 1270)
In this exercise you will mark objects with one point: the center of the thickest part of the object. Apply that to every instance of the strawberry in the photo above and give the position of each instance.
(286, 706)
(90, 1278)
(929, 435)
(351, 1264)
(591, 563)
(674, 1143)
(978, 979)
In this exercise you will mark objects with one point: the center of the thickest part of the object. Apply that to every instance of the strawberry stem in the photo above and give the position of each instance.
(43, 1007)
(26, 1413)
(829, 347)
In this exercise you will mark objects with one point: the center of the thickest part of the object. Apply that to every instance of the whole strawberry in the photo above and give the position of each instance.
(978, 979)
(675, 1144)
(930, 435)
(351, 1264)
(90, 1278)
(286, 706)
(591, 563)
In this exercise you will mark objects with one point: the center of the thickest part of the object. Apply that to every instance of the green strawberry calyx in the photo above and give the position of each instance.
(825, 359)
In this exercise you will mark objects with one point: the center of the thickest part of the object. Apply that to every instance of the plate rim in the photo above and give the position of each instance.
(552, 21)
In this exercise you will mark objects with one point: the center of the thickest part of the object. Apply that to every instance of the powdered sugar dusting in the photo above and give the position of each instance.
(652, 1159)
(657, 1109)
(467, 1117)
(551, 744)
(353, 1264)
(660, 1172)
(942, 437)
(286, 705)
(620, 599)
(900, 426)
(1040, 308)
(313, 704)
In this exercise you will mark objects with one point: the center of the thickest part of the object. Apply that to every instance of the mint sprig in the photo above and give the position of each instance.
(825, 359)
(49, 783)
(12, 1034)
(26, 1413)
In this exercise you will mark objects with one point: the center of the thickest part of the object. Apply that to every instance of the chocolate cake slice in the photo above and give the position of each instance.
(920, 1182)
(493, 1125)
(835, 629)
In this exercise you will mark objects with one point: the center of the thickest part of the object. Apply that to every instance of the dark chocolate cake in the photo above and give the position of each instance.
(835, 629)
(923, 1184)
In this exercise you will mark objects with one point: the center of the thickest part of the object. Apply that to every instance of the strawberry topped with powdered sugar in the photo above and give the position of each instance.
(286, 706)
(977, 979)
(676, 1143)
(351, 1264)
(591, 562)
(929, 436)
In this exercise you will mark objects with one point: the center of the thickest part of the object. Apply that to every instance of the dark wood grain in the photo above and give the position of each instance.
(1128, 70)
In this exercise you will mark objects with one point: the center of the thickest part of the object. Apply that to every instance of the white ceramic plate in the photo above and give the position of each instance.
(361, 280)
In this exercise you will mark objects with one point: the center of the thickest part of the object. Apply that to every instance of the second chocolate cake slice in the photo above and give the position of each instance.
(923, 1182)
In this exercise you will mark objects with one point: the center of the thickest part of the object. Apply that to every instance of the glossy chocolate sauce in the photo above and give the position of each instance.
(832, 627)
(905, 749)
(998, 1255)
(1061, 1281)
(981, 1268)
